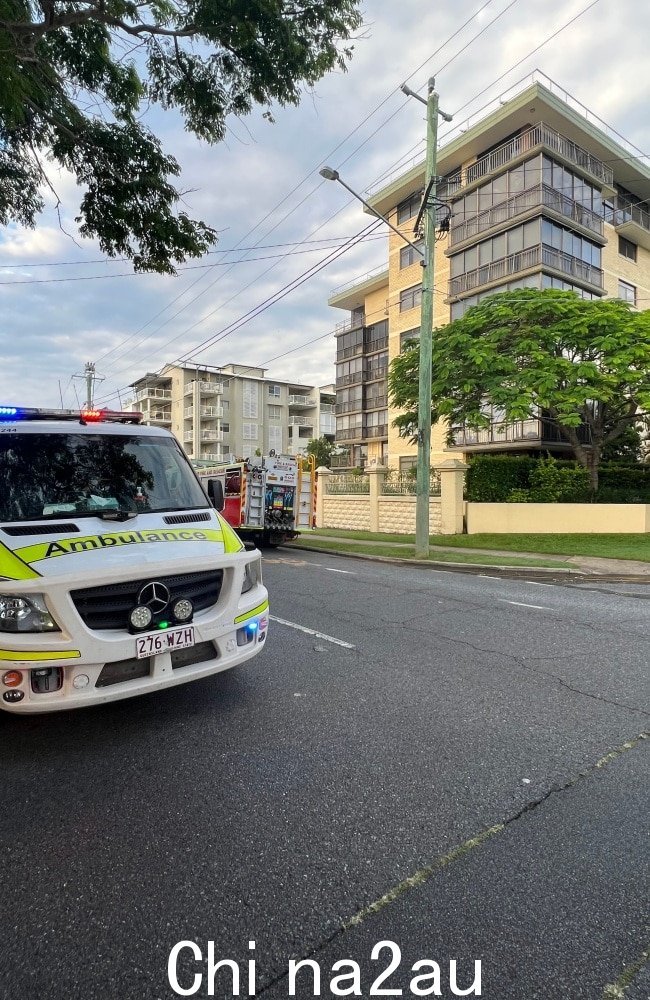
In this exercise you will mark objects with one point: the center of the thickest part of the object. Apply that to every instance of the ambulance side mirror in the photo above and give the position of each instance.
(215, 493)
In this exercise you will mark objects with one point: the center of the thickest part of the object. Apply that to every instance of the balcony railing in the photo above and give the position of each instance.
(350, 379)
(211, 436)
(376, 402)
(301, 401)
(573, 267)
(361, 280)
(628, 213)
(352, 406)
(152, 394)
(206, 412)
(160, 416)
(349, 434)
(535, 431)
(327, 408)
(371, 374)
(379, 344)
(378, 431)
(541, 195)
(539, 135)
(342, 353)
(301, 422)
(205, 388)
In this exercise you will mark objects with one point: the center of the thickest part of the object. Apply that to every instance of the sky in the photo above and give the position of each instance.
(261, 297)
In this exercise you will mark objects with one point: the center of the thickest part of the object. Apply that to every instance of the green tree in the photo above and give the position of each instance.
(321, 448)
(76, 76)
(584, 364)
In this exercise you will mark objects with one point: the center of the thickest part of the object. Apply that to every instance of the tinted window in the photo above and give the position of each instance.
(61, 475)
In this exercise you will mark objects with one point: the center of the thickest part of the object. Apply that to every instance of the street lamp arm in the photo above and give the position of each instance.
(333, 175)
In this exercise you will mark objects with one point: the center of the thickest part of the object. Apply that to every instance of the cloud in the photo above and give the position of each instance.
(262, 188)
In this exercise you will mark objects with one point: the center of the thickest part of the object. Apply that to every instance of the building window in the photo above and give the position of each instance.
(410, 297)
(407, 335)
(626, 248)
(410, 207)
(250, 400)
(274, 390)
(627, 292)
(409, 255)
(249, 432)
(406, 463)
(225, 428)
(275, 412)
(275, 439)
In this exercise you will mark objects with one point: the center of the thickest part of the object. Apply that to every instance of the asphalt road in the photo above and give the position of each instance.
(459, 772)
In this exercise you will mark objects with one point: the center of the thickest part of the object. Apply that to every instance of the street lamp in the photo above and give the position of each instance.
(333, 175)
(428, 210)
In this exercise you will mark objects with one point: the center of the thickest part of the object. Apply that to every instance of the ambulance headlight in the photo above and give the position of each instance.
(252, 576)
(25, 614)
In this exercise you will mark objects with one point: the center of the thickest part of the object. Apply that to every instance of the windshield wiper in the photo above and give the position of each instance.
(114, 514)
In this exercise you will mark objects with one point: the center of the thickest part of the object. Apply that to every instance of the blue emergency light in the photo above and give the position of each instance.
(83, 416)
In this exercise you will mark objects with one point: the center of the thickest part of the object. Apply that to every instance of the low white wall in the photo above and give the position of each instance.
(557, 518)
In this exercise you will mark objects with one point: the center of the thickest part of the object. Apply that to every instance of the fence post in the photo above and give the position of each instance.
(376, 475)
(452, 480)
(322, 475)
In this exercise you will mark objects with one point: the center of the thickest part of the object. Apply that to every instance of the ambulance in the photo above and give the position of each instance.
(118, 574)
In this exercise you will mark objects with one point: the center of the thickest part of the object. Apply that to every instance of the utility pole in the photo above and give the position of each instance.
(89, 372)
(426, 321)
(90, 377)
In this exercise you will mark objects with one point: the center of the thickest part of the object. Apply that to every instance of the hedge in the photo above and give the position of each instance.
(527, 479)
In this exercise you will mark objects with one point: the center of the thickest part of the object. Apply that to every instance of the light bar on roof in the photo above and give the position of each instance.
(15, 413)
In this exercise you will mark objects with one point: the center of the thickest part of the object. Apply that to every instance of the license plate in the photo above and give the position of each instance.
(161, 642)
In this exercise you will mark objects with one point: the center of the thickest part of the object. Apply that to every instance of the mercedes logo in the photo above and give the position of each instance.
(154, 596)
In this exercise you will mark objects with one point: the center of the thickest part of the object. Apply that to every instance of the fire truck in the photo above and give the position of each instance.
(267, 500)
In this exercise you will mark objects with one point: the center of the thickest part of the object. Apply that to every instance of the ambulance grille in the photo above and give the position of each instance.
(108, 606)
(187, 518)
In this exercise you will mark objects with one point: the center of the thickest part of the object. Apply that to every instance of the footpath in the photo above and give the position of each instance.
(614, 570)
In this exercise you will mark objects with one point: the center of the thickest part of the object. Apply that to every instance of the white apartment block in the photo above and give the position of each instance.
(234, 412)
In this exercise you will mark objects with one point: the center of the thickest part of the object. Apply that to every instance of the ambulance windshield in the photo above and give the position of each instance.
(62, 475)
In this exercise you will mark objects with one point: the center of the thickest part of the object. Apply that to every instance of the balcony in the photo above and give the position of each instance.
(342, 353)
(632, 222)
(352, 379)
(538, 137)
(158, 416)
(152, 394)
(525, 260)
(306, 401)
(350, 434)
(532, 433)
(376, 403)
(327, 408)
(352, 406)
(205, 388)
(526, 203)
(380, 344)
(371, 374)
(379, 431)
(211, 435)
(301, 422)
(205, 412)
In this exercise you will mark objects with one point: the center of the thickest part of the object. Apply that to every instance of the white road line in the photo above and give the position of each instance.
(536, 583)
(311, 631)
(520, 604)
(484, 576)
(348, 572)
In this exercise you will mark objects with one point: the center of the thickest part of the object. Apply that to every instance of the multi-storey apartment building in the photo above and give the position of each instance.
(219, 414)
(541, 194)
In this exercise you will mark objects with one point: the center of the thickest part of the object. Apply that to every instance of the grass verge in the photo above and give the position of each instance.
(408, 552)
(600, 546)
